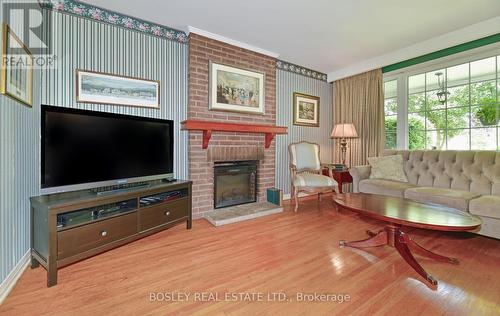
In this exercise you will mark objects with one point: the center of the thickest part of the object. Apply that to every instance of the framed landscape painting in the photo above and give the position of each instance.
(235, 89)
(17, 68)
(104, 88)
(305, 110)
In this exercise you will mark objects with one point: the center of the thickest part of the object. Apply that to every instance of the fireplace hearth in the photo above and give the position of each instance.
(235, 183)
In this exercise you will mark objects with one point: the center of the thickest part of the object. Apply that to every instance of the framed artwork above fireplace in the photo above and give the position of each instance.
(236, 89)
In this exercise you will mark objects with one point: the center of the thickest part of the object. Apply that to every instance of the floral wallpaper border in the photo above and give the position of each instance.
(95, 13)
(91, 12)
(283, 65)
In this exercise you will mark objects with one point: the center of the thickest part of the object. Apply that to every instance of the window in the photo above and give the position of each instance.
(391, 115)
(468, 119)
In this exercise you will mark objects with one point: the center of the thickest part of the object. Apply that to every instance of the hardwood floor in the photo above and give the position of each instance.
(288, 253)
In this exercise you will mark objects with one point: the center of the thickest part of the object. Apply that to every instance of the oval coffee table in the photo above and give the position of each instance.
(398, 213)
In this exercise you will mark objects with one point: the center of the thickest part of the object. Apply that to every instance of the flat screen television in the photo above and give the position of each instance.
(83, 149)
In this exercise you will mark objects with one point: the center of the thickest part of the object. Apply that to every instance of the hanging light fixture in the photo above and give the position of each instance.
(442, 94)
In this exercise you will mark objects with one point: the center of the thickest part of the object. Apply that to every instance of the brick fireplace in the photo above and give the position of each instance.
(227, 146)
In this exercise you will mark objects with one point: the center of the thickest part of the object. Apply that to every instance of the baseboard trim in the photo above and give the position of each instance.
(14, 275)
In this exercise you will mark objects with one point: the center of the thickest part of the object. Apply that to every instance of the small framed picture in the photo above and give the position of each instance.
(235, 89)
(17, 68)
(305, 110)
(105, 88)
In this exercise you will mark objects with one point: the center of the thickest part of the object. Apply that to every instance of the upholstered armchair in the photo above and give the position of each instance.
(305, 169)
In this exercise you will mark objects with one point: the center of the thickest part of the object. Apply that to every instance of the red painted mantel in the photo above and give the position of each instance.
(208, 127)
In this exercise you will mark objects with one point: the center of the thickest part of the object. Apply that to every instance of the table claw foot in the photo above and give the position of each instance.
(403, 244)
(431, 280)
(454, 261)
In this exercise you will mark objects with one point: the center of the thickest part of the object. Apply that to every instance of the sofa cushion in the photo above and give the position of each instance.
(453, 198)
(313, 180)
(466, 170)
(486, 205)
(387, 168)
(384, 187)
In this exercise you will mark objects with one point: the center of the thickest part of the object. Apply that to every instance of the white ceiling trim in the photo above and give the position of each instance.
(466, 34)
(230, 41)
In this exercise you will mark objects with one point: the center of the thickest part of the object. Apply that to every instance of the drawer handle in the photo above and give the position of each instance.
(167, 213)
(104, 233)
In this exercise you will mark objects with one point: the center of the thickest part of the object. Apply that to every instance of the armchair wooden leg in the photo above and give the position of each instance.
(296, 195)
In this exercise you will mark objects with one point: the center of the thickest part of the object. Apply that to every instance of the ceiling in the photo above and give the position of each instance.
(325, 35)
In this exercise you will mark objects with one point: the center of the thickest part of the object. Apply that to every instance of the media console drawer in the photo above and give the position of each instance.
(157, 215)
(76, 240)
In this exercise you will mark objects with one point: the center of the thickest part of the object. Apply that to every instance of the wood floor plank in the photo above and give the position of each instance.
(284, 253)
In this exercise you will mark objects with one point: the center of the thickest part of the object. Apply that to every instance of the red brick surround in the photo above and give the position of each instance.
(201, 51)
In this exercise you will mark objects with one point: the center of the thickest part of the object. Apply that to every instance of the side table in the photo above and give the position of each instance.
(341, 177)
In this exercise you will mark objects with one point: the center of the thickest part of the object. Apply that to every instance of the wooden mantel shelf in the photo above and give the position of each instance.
(208, 127)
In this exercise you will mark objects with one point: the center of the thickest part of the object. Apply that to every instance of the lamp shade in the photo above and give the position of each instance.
(344, 131)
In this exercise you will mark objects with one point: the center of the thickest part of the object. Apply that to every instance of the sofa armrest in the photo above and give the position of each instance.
(359, 173)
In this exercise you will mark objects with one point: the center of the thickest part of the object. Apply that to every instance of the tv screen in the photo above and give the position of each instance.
(83, 149)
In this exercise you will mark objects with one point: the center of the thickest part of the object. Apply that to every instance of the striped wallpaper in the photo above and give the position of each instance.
(81, 43)
(18, 174)
(85, 44)
(286, 84)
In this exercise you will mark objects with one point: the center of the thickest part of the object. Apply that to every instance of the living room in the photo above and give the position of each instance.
(213, 158)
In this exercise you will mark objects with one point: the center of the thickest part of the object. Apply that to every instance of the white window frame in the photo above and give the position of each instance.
(402, 117)
(402, 75)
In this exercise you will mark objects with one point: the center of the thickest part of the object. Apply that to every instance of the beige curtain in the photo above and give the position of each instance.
(359, 100)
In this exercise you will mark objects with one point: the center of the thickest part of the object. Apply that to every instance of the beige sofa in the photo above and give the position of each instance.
(465, 180)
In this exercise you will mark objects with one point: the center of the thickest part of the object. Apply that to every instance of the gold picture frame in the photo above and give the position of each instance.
(16, 82)
(305, 110)
(235, 89)
(108, 82)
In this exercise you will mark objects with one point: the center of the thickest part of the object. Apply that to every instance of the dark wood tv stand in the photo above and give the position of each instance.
(69, 227)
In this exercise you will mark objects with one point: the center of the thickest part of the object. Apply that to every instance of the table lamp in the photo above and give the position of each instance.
(344, 131)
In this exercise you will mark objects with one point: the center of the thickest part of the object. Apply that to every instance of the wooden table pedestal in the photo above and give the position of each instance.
(393, 236)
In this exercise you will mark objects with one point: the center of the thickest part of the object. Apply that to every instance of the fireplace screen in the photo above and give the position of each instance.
(235, 183)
